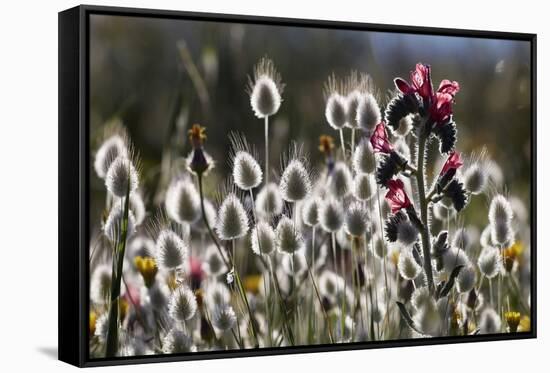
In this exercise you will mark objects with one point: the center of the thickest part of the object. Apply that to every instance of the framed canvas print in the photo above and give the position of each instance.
(233, 186)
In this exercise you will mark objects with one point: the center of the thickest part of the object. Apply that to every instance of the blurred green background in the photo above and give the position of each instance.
(138, 74)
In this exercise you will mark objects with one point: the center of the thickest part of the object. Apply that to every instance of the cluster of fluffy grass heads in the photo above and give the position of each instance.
(370, 244)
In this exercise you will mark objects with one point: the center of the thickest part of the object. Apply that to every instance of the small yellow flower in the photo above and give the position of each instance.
(92, 320)
(326, 144)
(524, 324)
(511, 254)
(252, 283)
(148, 269)
(513, 319)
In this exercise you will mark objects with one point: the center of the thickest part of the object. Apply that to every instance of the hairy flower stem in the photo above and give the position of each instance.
(425, 232)
(266, 120)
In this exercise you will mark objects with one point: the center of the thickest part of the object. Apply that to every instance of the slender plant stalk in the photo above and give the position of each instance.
(284, 311)
(255, 222)
(352, 141)
(387, 293)
(237, 277)
(342, 144)
(244, 297)
(111, 346)
(266, 120)
(205, 220)
(327, 320)
(425, 232)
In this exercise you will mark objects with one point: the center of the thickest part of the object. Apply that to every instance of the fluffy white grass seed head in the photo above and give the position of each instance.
(368, 113)
(364, 187)
(407, 234)
(485, 237)
(364, 161)
(289, 238)
(336, 111)
(100, 284)
(295, 184)
(171, 250)
(502, 234)
(113, 224)
(213, 263)
(455, 257)
(247, 173)
(500, 219)
(183, 201)
(266, 89)
(331, 215)
(183, 304)
(120, 172)
(476, 178)
(269, 201)
(310, 212)
(224, 318)
(232, 220)
(352, 102)
(407, 265)
(356, 220)
(263, 239)
(489, 261)
(177, 341)
(466, 279)
(111, 148)
(489, 321)
(340, 181)
(500, 210)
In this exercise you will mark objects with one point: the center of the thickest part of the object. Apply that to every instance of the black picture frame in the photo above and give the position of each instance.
(74, 160)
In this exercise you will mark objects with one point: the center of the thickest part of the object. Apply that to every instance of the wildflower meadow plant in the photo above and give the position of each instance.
(363, 243)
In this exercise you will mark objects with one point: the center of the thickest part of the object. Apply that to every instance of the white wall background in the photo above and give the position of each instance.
(28, 184)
